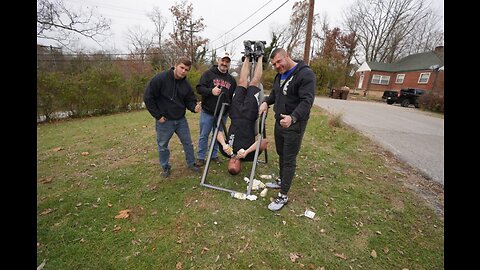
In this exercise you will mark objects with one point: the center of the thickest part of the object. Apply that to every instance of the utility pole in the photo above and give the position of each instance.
(308, 38)
(193, 49)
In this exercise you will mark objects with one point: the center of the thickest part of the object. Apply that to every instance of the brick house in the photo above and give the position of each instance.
(422, 70)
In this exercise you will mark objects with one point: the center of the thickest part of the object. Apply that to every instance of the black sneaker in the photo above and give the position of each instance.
(200, 162)
(259, 48)
(215, 159)
(278, 203)
(248, 48)
(166, 172)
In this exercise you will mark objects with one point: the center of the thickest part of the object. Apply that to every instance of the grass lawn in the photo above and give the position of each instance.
(368, 214)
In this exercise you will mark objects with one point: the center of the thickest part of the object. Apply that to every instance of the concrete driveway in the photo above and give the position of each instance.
(413, 136)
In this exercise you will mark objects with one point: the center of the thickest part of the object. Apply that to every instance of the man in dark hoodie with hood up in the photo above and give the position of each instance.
(216, 83)
(167, 96)
(293, 93)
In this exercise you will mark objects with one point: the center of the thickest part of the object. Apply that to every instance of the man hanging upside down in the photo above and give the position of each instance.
(241, 142)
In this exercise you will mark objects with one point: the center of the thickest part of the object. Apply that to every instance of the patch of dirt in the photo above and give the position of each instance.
(431, 191)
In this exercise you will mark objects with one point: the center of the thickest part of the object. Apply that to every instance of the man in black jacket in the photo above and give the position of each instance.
(215, 83)
(293, 94)
(167, 96)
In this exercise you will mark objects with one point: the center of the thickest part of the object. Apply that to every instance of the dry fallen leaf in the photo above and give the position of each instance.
(46, 180)
(294, 257)
(56, 149)
(123, 214)
(340, 255)
(178, 266)
(46, 211)
(85, 153)
(373, 253)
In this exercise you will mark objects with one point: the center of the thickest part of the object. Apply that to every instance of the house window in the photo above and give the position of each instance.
(380, 79)
(400, 78)
(423, 77)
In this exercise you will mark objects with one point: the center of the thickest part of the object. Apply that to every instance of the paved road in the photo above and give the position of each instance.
(414, 136)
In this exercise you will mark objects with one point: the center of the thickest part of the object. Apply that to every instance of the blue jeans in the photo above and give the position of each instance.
(164, 134)
(206, 127)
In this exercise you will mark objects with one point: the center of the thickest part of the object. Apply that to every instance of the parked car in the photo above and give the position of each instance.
(409, 96)
(390, 96)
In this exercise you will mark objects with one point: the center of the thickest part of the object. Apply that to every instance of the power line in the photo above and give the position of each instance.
(252, 26)
(242, 21)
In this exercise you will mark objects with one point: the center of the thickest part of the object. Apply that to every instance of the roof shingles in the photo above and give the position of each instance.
(419, 61)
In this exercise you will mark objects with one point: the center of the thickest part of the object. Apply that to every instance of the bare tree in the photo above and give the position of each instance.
(160, 22)
(185, 30)
(55, 21)
(320, 36)
(424, 37)
(230, 47)
(171, 52)
(292, 36)
(141, 41)
(384, 29)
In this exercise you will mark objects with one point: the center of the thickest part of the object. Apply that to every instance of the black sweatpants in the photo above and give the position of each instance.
(287, 143)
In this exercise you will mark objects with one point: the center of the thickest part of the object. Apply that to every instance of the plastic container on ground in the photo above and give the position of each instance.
(238, 195)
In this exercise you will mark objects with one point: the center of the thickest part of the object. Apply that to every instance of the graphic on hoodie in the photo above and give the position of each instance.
(221, 83)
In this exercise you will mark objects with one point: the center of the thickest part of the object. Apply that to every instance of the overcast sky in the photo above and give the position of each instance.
(225, 20)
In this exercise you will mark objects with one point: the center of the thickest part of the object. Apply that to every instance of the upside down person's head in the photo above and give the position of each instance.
(234, 166)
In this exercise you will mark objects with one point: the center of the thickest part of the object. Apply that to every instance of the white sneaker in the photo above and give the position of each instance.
(278, 203)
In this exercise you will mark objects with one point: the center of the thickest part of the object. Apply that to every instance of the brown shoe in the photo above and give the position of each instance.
(200, 162)
(215, 159)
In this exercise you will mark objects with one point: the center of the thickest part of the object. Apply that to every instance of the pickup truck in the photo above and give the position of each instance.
(409, 96)
(390, 96)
